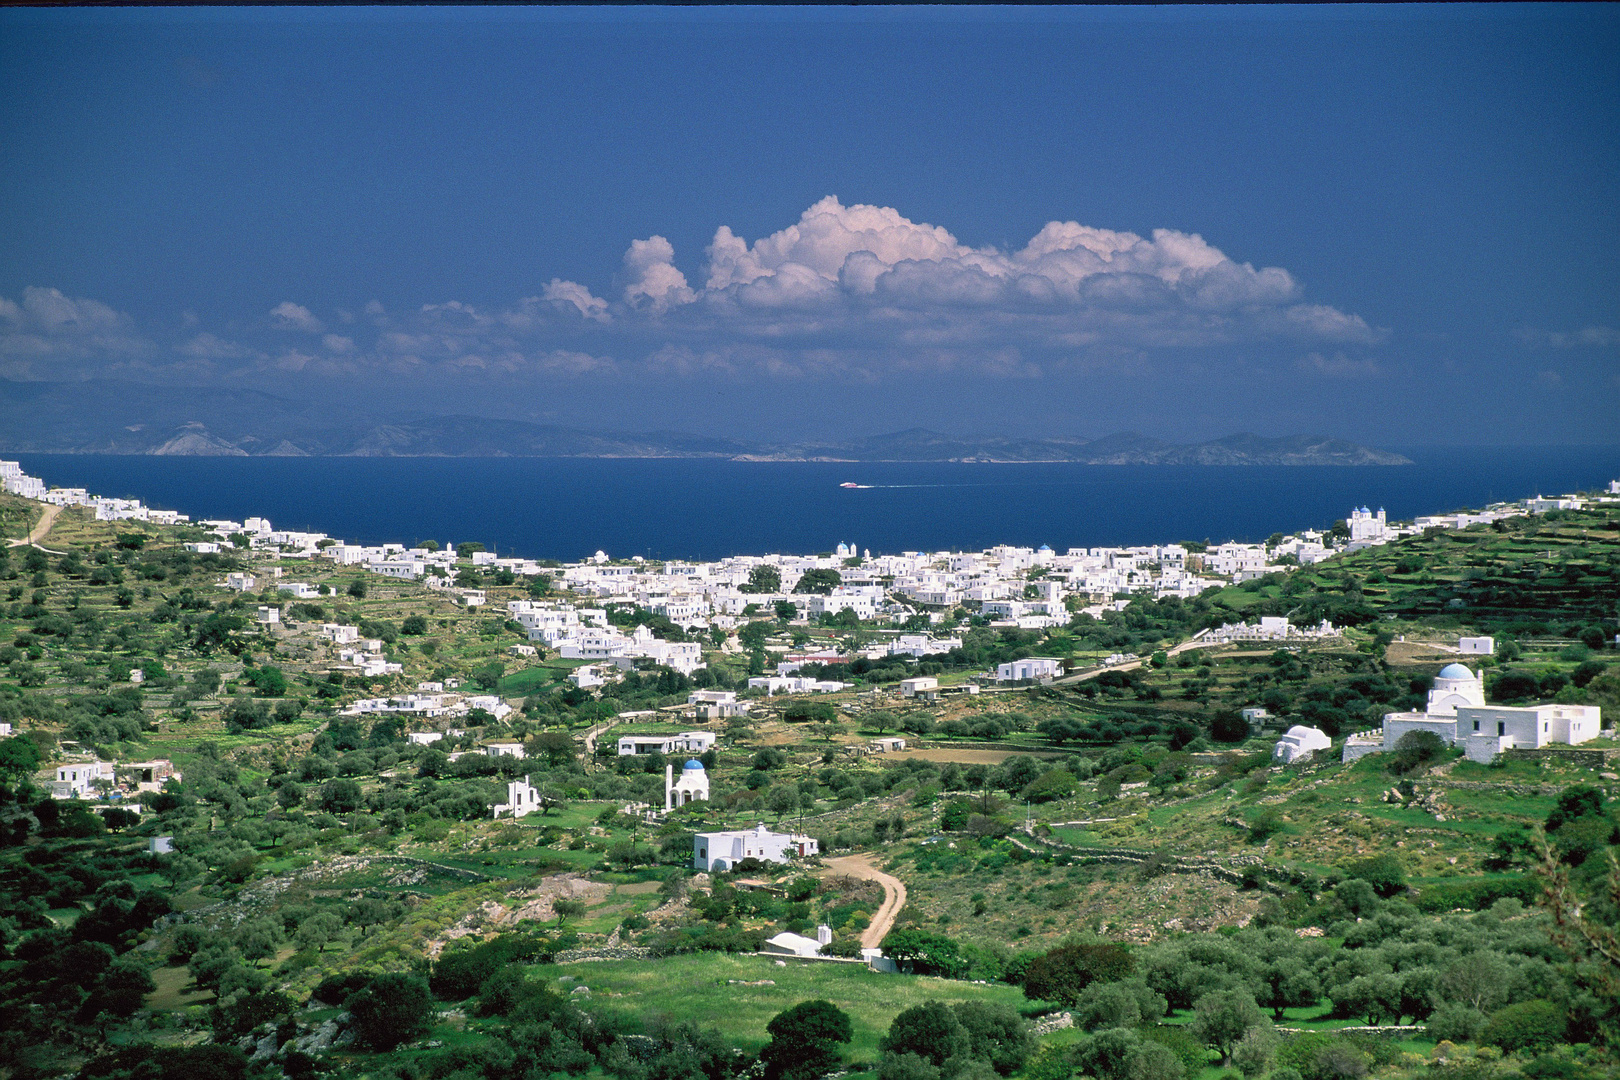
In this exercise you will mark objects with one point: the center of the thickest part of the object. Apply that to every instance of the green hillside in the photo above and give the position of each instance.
(1118, 846)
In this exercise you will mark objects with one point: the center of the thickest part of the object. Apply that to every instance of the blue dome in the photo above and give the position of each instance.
(1455, 671)
(692, 763)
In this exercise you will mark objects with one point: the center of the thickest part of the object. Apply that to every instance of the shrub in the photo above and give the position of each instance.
(1063, 974)
(805, 1040)
(1051, 785)
(391, 1009)
(1455, 1022)
(1383, 872)
(1229, 727)
(931, 1031)
(1414, 752)
(1529, 1025)
(809, 712)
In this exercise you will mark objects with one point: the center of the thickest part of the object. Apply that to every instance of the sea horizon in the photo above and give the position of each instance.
(693, 508)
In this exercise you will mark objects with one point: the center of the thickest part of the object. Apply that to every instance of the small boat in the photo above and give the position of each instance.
(852, 484)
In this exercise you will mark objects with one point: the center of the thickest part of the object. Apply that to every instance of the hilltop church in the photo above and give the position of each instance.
(1458, 716)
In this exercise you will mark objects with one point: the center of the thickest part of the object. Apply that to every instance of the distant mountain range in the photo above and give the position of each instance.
(136, 419)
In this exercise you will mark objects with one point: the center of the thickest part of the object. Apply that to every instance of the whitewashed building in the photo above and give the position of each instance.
(790, 944)
(720, 851)
(1031, 668)
(78, 781)
(919, 685)
(687, 742)
(1458, 716)
(1487, 730)
(920, 645)
(693, 786)
(522, 798)
(1300, 744)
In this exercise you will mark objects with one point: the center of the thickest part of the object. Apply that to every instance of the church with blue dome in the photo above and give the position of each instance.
(693, 786)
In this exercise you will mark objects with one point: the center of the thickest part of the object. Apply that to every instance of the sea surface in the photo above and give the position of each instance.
(701, 509)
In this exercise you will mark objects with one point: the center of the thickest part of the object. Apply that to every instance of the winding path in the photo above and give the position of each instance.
(894, 894)
(1092, 673)
(40, 530)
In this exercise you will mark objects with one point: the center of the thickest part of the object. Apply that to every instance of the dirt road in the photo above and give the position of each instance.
(1092, 673)
(963, 755)
(894, 893)
(41, 528)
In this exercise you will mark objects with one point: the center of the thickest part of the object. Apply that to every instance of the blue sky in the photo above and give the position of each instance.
(1396, 225)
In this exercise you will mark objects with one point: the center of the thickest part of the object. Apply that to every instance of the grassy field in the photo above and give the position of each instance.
(700, 989)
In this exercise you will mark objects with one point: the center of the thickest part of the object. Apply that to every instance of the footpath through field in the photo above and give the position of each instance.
(1092, 673)
(894, 894)
(40, 530)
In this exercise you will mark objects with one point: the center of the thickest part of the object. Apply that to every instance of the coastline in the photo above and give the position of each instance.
(686, 508)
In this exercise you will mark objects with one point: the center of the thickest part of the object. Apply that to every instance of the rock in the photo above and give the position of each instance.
(322, 1038)
(266, 1048)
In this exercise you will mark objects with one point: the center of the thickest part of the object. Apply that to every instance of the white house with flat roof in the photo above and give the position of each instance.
(720, 851)
(918, 686)
(920, 645)
(793, 684)
(589, 676)
(78, 781)
(1032, 668)
(687, 742)
(1485, 731)
(717, 704)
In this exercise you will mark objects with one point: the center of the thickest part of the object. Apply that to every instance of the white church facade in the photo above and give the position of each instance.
(1458, 716)
(1367, 527)
(1300, 744)
(522, 798)
(693, 786)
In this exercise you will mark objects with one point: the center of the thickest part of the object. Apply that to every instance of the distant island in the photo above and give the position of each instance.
(468, 436)
(58, 418)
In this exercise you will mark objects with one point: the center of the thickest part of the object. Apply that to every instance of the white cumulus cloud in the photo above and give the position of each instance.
(651, 281)
(1588, 337)
(870, 282)
(48, 330)
(290, 316)
(859, 293)
(572, 296)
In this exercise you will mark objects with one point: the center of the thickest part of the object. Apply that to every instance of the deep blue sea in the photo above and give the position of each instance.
(568, 508)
